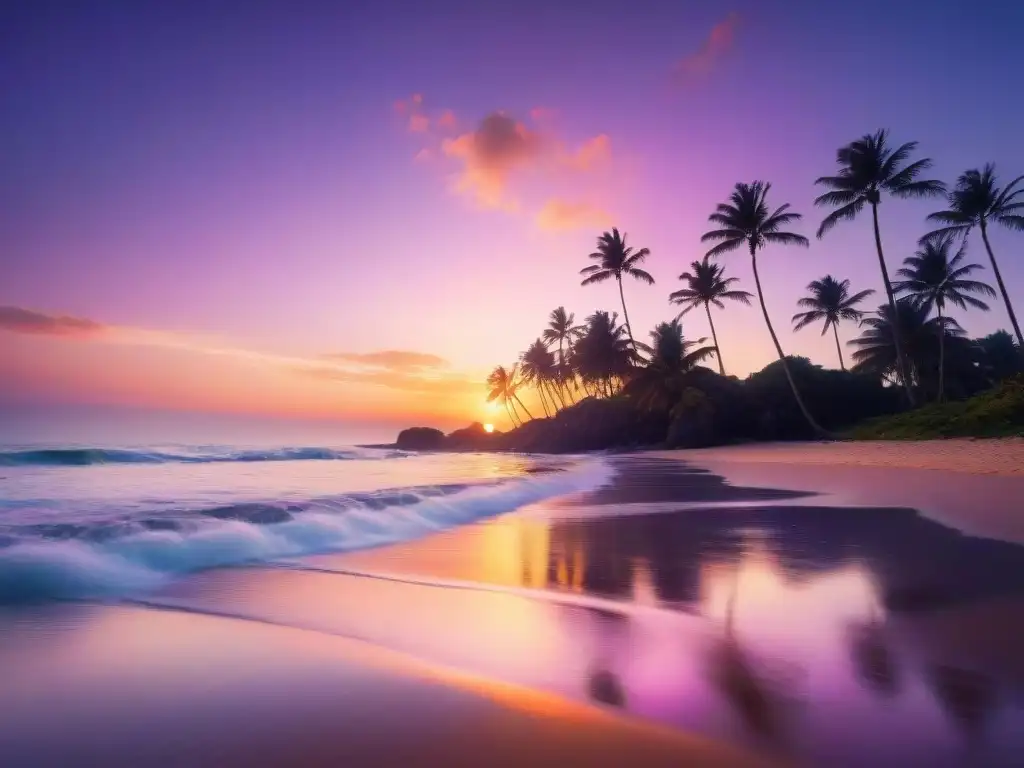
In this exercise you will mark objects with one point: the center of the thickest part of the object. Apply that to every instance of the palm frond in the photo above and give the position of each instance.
(598, 277)
(640, 275)
(846, 213)
(919, 189)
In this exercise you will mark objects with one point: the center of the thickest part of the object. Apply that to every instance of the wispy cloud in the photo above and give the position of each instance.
(391, 359)
(712, 49)
(20, 320)
(396, 369)
(592, 154)
(561, 215)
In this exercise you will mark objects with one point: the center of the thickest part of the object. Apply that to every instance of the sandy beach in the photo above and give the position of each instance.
(673, 616)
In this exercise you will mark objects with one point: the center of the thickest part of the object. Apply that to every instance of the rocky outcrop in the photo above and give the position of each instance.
(420, 439)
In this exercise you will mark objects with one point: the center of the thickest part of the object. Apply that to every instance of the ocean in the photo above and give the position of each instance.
(105, 519)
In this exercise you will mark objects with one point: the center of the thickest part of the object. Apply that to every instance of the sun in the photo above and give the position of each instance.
(488, 427)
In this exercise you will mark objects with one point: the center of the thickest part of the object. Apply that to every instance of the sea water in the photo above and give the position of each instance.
(110, 520)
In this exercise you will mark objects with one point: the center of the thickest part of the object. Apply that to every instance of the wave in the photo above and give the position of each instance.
(121, 563)
(81, 457)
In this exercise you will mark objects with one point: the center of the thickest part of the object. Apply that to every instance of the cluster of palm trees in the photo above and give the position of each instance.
(897, 344)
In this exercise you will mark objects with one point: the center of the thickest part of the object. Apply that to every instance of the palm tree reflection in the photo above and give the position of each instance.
(873, 659)
(755, 692)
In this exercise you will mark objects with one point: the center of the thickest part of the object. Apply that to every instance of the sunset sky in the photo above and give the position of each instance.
(355, 210)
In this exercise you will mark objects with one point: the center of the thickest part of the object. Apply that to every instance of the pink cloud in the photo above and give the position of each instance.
(540, 114)
(560, 215)
(716, 45)
(490, 155)
(592, 154)
(20, 320)
(447, 119)
(425, 155)
(419, 123)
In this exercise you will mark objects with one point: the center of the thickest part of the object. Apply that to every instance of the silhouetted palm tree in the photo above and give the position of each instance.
(830, 300)
(746, 220)
(974, 201)
(660, 384)
(867, 167)
(931, 278)
(503, 383)
(539, 368)
(706, 285)
(603, 354)
(919, 336)
(499, 385)
(561, 329)
(616, 259)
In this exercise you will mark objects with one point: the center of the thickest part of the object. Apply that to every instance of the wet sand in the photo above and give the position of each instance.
(651, 622)
(129, 686)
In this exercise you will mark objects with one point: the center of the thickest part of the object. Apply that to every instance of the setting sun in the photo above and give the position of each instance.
(488, 427)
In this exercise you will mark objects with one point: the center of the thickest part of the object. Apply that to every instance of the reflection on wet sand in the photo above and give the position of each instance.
(788, 584)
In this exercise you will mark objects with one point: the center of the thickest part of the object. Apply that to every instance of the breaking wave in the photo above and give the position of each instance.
(116, 559)
(81, 457)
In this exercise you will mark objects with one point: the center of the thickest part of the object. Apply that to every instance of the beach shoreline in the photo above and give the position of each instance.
(978, 456)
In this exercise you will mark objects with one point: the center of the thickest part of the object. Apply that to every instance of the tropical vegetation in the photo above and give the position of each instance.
(910, 344)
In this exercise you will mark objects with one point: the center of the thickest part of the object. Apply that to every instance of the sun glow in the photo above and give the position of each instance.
(488, 427)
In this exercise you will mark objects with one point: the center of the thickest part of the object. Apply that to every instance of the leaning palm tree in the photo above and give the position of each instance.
(974, 201)
(931, 278)
(867, 167)
(503, 383)
(539, 368)
(705, 286)
(747, 221)
(561, 329)
(830, 300)
(616, 259)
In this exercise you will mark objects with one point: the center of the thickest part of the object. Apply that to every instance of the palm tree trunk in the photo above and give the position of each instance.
(778, 348)
(625, 314)
(714, 337)
(543, 400)
(942, 356)
(901, 359)
(1002, 288)
(839, 349)
(555, 389)
(523, 406)
(511, 420)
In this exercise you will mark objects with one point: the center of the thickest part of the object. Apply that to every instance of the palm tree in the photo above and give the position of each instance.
(660, 384)
(499, 384)
(503, 383)
(931, 278)
(539, 368)
(616, 259)
(875, 351)
(603, 354)
(561, 329)
(974, 201)
(830, 300)
(746, 220)
(868, 166)
(706, 285)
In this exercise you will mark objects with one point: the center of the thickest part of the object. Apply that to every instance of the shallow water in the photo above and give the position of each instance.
(78, 522)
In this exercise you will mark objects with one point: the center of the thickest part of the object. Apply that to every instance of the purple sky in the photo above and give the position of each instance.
(234, 190)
